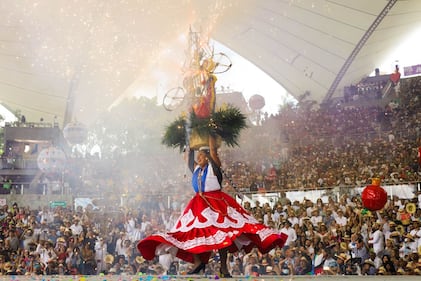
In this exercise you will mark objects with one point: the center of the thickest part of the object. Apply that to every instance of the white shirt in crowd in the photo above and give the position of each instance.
(377, 239)
(76, 228)
(294, 220)
(292, 235)
(100, 253)
(416, 233)
(341, 219)
(315, 220)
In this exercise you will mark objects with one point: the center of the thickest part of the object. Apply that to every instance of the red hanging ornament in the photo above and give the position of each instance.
(374, 197)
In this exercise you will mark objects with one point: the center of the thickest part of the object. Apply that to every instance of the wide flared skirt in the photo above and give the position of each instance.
(212, 221)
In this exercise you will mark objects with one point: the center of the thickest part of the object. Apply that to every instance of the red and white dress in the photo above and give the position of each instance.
(212, 220)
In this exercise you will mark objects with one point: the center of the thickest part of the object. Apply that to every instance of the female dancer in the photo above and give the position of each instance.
(212, 220)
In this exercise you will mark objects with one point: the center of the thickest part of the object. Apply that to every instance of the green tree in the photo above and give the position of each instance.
(134, 127)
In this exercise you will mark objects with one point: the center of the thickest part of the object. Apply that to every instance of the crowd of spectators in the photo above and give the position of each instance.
(323, 238)
(335, 146)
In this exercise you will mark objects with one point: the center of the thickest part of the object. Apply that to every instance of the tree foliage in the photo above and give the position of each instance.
(134, 128)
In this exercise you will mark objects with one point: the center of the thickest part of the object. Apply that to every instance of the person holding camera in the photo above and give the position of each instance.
(359, 250)
(287, 263)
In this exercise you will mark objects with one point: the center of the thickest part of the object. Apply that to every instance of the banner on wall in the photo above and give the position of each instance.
(412, 70)
(402, 191)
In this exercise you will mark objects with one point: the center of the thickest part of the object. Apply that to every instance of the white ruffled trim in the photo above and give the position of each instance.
(188, 221)
(211, 221)
(216, 239)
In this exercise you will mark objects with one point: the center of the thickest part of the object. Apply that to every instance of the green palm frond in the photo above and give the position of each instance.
(226, 122)
(175, 134)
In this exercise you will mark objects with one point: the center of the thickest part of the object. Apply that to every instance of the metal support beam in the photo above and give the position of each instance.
(70, 103)
(358, 48)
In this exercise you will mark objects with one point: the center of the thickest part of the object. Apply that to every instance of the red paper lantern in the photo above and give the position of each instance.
(374, 197)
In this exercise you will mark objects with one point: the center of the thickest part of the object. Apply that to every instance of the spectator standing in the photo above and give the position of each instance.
(288, 230)
(120, 248)
(360, 251)
(408, 246)
(46, 252)
(88, 260)
(376, 239)
(12, 241)
(287, 264)
(416, 232)
(328, 219)
(76, 227)
(340, 219)
(292, 218)
(100, 254)
(316, 218)
(395, 78)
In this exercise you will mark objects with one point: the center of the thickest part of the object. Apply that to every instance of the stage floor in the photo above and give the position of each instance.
(197, 277)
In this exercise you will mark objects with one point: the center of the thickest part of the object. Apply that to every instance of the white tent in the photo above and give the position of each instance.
(72, 58)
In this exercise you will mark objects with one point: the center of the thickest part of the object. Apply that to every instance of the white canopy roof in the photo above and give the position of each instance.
(84, 56)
